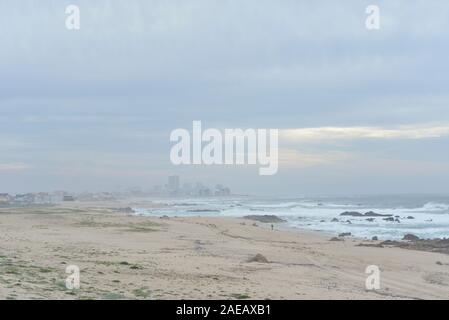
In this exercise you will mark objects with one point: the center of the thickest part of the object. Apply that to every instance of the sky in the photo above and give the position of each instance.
(359, 111)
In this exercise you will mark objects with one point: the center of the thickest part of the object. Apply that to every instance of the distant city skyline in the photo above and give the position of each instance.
(172, 188)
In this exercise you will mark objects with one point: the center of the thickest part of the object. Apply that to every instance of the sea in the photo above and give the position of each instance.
(426, 216)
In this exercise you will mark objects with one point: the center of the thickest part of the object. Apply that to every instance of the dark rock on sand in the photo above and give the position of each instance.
(389, 219)
(431, 245)
(258, 258)
(410, 237)
(336, 239)
(334, 220)
(372, 245)
(410, 217)
(344, 234)
(125, 210)
(264, 218)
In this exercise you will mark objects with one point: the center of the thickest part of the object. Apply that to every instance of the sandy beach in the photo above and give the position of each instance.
(124, 256)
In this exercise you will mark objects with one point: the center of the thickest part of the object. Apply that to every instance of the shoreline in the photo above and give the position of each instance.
(124, 256)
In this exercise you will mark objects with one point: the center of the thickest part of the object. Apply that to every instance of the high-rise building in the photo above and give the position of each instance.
(173, 183)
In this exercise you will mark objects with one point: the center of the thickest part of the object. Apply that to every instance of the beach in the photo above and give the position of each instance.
(124, 256)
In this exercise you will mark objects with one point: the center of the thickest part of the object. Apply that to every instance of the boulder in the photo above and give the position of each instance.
(335, 239)
(374, 214)
(351, 214)
(344, 234)
(264, 218)
(410, 237)
(258, 258)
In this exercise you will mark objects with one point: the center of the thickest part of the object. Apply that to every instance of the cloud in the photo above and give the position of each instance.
(14, 167)
(290, 158)
(333, 133)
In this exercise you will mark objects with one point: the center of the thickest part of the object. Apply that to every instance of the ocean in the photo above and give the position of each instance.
(426, 216)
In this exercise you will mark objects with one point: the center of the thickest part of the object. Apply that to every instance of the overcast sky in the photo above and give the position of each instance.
(359, 111)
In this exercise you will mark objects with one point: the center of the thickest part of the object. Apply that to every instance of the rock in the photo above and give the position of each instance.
(389, 219)
(336, 239)
(370, 219)
(322, 221)
(366, 214)
(125, 210)
(397, 220)
(410, 217)
(164, 217)
(410, 237)
(352, 214)
(344, 234)
(372, 245)
(373, 214)
(348, 221)
(430, 245)
(334, 220)
(258, 258)
(264, 218)
(439, 263)
(375, 238)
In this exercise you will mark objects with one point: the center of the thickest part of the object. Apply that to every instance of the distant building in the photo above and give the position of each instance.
(26, 198)
(221, 191)
(173, 183)
(5, 198)
(42, 198)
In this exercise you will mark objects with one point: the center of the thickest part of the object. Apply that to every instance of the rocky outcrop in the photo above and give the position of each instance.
(415, 243)
(366, 214)
(351, 214)
(264, 218)
(410, 237)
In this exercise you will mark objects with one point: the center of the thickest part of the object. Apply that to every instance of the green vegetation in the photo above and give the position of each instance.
(240, 296)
